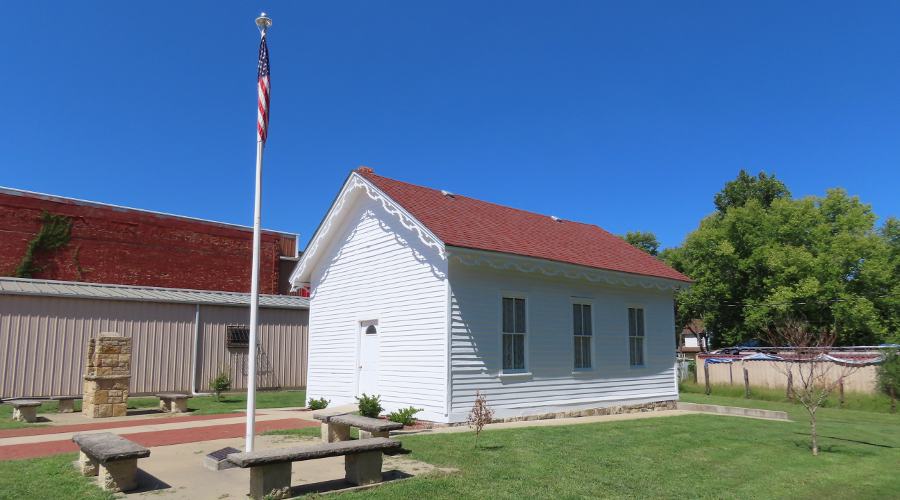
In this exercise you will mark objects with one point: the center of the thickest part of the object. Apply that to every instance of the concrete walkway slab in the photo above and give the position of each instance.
(551, 422)
(177, 472)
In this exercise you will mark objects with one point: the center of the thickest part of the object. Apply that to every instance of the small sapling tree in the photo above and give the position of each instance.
(806, 364)
(481, 415)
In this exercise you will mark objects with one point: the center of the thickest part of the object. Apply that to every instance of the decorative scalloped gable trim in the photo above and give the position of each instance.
(357, 182)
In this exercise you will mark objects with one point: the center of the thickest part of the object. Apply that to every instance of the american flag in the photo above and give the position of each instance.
(262, 120)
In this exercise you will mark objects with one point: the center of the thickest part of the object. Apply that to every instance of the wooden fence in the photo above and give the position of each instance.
(770, 374)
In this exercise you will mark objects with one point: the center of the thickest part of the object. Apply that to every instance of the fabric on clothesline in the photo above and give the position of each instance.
(759, 356)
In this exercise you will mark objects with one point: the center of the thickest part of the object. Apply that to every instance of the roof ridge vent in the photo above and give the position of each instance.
(555, 218)
(447, 193)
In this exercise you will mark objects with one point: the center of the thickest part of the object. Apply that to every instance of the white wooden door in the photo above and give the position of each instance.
(368, 358)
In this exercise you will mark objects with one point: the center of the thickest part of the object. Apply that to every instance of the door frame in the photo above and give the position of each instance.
(360, 323)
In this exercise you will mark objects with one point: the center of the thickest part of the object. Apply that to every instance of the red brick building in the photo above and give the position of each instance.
(118, 245)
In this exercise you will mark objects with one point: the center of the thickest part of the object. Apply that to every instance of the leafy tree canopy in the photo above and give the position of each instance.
(644, 240)
(763, 188)
(819, 258)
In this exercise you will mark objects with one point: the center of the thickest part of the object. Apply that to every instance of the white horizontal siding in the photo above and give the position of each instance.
(553, 384)
(377, 269)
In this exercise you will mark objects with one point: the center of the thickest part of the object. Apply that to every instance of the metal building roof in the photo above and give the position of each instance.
(44, 288)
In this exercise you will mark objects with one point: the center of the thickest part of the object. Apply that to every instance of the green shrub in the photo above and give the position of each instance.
(404, 415)
(370, 406)
(889, 377)
(317, 404)
(219, 384)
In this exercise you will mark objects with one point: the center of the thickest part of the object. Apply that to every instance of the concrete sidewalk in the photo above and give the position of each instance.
(64, 433)
(177, 472)
(550, 422)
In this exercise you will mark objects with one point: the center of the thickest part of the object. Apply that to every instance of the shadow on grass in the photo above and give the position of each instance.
(822, 436)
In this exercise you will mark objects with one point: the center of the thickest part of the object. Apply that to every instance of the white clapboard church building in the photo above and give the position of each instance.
(424, 297)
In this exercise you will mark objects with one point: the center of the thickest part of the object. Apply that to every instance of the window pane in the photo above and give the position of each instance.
(640, 322)
(586, 355)
(637, 351)
(507, 352)
(586, 313)
(576, 319)
(519, 358)
(631, 351)
(632, 323)
(508, 315)
(520, 316)
(579, 360)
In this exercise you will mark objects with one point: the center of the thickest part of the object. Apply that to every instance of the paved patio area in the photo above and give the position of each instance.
(177, 472)
(147, 430)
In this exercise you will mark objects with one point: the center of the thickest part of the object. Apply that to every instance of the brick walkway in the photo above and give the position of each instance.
(56, 429)
(190, 434)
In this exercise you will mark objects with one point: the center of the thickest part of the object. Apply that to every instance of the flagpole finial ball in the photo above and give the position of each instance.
(264, 22)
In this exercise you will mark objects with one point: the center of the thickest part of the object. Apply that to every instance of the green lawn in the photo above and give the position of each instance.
(230, 402)
(686, 456)
(200, 405)
(6, 421)
(852, 400)
(683, 456)
(50, 477)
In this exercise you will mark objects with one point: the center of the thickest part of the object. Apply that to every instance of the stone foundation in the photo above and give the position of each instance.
(107, 375)
(590, 412)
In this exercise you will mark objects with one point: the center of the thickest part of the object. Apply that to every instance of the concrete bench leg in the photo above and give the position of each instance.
(378, 434)
(165, 405)
(25, 414)
(363, 468)
(87, 465)
(66, 406)
(335, 432)
(179, 406)
(270, 481)
(118, 476)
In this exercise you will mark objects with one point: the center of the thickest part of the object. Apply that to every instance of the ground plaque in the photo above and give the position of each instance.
(218, 460)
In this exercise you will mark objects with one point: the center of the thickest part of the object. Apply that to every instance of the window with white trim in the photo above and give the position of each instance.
(636, 335)
(582, 330)
(514, 331)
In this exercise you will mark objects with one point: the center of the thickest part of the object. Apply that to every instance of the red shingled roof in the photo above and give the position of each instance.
(465, 222)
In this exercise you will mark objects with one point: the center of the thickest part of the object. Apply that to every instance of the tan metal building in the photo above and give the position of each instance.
(181, 338)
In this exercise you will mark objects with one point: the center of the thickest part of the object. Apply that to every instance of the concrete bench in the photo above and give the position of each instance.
(65, 404)
(24, 410)
(270, 470)
(110, 457)
(337, 427)
(173, 402)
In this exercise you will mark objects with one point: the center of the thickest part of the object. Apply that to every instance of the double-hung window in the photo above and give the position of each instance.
(514, 331)
(581, 328)
(636, 335)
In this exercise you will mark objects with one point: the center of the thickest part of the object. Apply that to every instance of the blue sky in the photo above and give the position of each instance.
(629, 115)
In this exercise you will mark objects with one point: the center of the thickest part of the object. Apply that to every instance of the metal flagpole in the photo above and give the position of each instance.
(263, 23)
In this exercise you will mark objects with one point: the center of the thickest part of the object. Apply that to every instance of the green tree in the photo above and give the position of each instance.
(644, 240)
(818, 258)
(763, 188)
(889, 376)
